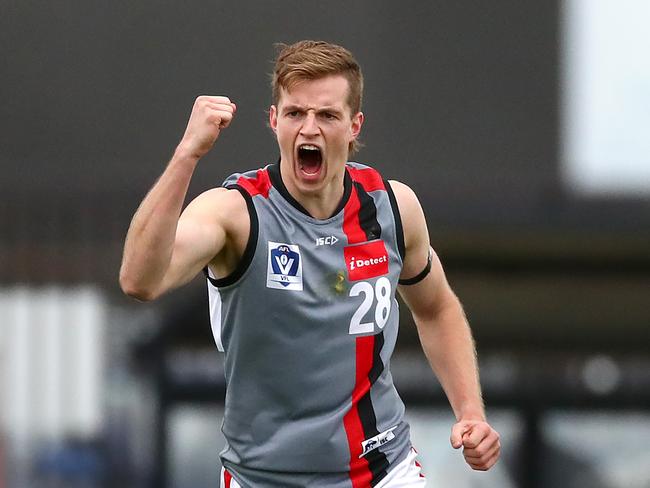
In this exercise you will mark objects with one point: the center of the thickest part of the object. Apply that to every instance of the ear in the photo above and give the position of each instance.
(357, 122)
(273, 117)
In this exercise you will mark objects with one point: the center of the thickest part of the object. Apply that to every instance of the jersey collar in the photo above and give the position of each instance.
(276, 181)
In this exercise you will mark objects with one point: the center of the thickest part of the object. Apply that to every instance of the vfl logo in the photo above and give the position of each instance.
(377, 441)
(284, 271)
(366, 261)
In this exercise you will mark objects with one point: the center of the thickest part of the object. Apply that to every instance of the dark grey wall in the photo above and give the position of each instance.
(460, 99)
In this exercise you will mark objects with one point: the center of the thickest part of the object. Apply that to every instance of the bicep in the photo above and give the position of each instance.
(200, 236)
(429, 296)
(416, 233)
(431, 291)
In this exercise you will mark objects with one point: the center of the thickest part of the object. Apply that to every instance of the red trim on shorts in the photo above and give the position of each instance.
(260, 185)
(369, 178)
(360, 473)
(227, 478)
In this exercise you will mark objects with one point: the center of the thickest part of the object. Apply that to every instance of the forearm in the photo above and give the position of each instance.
(150, 239)
(448, 344)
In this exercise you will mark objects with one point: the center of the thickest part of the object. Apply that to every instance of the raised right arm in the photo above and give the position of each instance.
(163, 249)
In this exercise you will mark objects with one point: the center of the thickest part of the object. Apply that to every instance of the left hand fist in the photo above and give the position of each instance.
(480, 442)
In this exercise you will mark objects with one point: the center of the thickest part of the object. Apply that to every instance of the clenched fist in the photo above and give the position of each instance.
(210, 115)
(480, 442)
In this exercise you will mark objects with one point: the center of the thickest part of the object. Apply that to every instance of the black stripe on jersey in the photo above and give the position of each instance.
(377, 461)
(377, 364)
(378, 465)
(367, 214)
(399, 230)
(249, 252)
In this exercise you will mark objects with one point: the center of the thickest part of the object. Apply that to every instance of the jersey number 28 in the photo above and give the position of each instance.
(379, 296)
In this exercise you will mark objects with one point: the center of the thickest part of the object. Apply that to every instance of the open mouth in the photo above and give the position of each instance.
(310, 159)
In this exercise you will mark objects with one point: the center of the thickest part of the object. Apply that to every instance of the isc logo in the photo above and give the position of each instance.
(326, 241)
(284, 270)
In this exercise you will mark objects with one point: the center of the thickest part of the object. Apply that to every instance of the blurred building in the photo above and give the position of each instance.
(522, 126)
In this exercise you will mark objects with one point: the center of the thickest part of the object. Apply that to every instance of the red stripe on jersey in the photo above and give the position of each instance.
(351, 225)
(360, 473)
(260, 185)
(227, 478)
(369, 178)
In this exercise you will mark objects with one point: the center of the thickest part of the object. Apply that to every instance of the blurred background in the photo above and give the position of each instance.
(524, 128)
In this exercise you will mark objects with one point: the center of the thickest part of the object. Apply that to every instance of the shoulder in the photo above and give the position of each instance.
(409, 207)
(365, 175)
(253, 182)
(414, 225)
(218, 207)
(404, 195)
(218, 201)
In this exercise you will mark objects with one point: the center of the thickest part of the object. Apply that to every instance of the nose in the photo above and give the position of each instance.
(310, 125)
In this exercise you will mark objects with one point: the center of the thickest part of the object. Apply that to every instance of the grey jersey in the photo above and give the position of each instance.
(308, 322)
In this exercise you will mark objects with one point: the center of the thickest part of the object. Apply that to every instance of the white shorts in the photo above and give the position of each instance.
(407, 474)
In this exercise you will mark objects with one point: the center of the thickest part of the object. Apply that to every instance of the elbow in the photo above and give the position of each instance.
(439, 313)
(140, 295)
(135, 290)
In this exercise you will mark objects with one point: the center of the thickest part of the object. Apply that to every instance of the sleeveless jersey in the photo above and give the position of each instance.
(308, 322)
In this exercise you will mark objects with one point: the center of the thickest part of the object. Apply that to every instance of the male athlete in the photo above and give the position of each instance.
(303, 259)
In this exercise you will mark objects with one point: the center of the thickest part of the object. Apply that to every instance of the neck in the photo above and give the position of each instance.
(321, 206)
(321, 203)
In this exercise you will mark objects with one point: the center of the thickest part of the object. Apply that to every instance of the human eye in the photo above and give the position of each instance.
(292, 114)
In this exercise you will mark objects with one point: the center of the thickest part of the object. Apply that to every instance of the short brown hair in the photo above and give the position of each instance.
(310, 60)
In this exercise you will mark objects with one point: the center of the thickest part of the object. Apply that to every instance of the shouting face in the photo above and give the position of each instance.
(314, 127)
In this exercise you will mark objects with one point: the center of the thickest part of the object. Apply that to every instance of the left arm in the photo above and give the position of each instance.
(445, 336)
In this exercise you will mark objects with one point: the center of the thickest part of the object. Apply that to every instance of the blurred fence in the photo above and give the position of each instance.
(52, 358)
